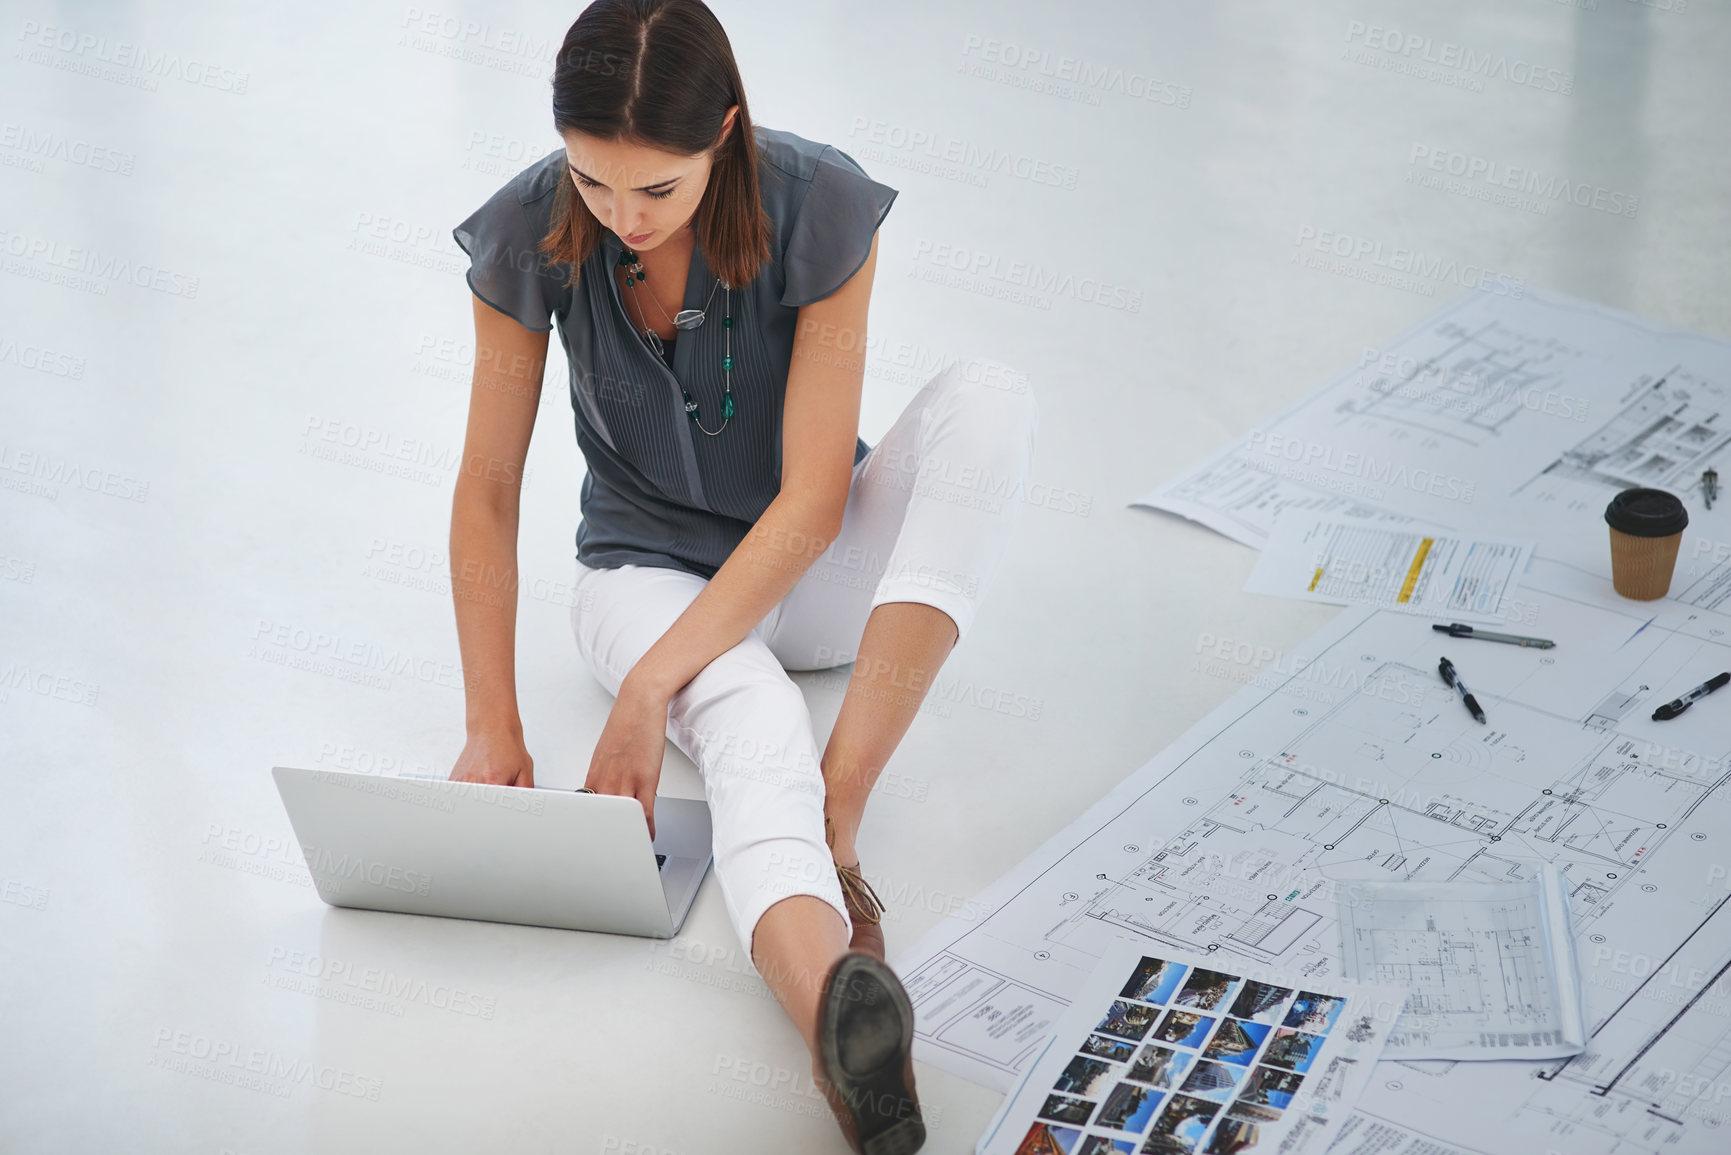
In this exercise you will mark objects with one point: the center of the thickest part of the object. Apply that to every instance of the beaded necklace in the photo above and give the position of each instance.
(687, 319)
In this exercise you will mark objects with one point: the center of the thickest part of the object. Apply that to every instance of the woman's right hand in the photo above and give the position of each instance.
(497, 757)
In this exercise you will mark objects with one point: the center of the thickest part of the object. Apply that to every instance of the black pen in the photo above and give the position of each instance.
(1447, 669)
(1459, 630)
(1672, 708)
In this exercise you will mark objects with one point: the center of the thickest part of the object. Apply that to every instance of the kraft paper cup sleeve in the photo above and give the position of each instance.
(1646, 532)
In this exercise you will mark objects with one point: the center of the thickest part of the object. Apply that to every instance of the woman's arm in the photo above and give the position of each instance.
(820, 428)
(503, 400)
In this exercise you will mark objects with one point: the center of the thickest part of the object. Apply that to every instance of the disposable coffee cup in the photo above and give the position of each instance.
(1646, 530)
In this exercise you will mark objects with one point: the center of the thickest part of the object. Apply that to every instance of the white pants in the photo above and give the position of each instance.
(929, 513)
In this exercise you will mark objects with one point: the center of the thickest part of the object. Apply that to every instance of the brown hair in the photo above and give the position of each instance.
(660, 73)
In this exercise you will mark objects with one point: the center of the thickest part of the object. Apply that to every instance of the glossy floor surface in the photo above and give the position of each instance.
(225, 247)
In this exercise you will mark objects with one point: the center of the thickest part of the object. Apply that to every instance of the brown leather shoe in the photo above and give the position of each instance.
(863, 904)
(866, 1038)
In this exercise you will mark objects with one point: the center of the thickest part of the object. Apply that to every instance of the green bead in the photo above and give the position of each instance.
(727, 406)
(628, 280)
(727, 362)
(727, 322)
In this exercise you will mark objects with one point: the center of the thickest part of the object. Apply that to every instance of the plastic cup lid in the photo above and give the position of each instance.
(1646, 513)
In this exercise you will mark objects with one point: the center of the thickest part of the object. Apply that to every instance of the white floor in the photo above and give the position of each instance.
(226, 234)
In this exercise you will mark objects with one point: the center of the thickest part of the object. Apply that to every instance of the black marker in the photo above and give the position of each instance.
(1671, 709)
(1447, 669)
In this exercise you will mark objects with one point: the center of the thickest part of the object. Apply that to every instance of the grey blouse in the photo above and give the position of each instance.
(658, 492)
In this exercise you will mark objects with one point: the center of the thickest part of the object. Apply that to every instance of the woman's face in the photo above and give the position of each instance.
(643, 194)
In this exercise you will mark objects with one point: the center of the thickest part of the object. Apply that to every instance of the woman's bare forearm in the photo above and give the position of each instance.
(792, 533)
(484, 593)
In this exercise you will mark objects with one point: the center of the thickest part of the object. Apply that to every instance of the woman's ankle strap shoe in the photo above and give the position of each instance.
(862, 901)
(863, 904)
(865, 910)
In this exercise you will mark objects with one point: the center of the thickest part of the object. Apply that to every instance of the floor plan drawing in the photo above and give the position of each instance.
(1495, 414)
(1472, 385)
(1674, 426)
(1489, 969)
(1243, 838)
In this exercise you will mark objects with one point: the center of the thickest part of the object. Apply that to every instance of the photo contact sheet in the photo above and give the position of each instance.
(1170, 1055)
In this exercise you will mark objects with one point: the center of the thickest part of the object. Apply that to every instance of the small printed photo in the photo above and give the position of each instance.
(1128, 1020)
(1272, 1087)
(1180, 1126)
(1167, 1145)
(1064, 1109)
(1214, 1081)
(1106, 1145)
(1153, 981)
(1086, 1078)
(1293, 1049)
(1237, 1041)
(1261, 1003)
(1160, 1066)
(1045, 1139)
(1255, 1112)
(1128, 1108)
(1117, 1050)
(1205, 990)
(1184, 1028)
(1314, 1013)
(1235, 1134)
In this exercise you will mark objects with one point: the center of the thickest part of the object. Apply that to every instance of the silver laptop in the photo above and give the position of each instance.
(538, 857)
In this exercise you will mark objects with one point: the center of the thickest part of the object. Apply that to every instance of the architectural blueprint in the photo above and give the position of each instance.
(1358, 764)
(1517, 416)
(1489, 968)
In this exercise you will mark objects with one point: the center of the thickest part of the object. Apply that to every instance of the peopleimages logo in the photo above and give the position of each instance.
(1412, 47)
(1063, 75)
(257, 1068)
(1410, 378)
(1396, 475)
(1526, 187)
(924, 149)
(1247, 663)
(973, 268)
(85, 52)
(39, 145)
(327, 867)
(1365, 259)
(458, 32)
(386, 983)
(104, 267)
(52, 472)
(40, 359)
(15, 675)
(349, 658)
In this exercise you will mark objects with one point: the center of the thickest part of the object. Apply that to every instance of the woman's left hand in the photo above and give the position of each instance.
(627, 758)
